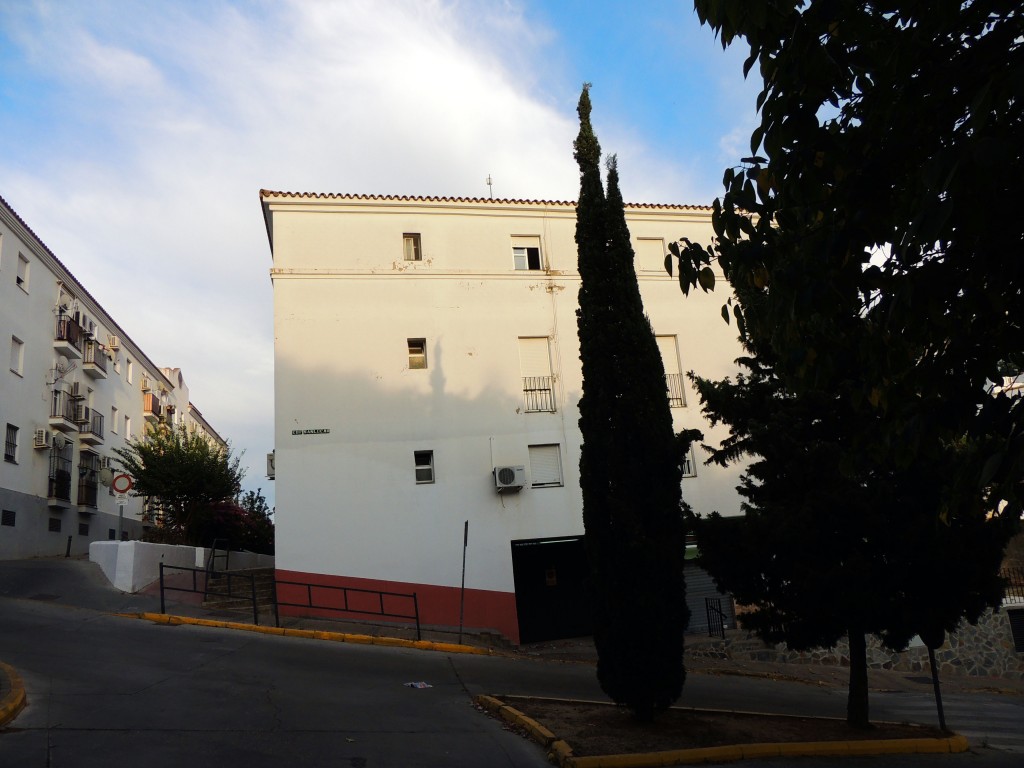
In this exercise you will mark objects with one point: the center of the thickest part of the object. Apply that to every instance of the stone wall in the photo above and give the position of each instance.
(985, 649)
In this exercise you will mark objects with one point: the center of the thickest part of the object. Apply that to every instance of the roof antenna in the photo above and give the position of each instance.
(489, 186)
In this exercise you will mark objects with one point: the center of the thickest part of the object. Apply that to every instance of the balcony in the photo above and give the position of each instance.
(151, 408)
(88, 491)
(62, 412)
(67, 338)
(90, 426)
(94, 362)
(539, 394)
(59, 481)
(676, 393)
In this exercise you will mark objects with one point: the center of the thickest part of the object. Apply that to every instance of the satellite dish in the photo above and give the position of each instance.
(59, 442)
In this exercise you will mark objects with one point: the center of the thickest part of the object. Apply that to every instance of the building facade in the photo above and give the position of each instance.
(76, 387)
(427, 378)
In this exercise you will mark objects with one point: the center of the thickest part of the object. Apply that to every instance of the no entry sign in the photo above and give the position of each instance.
(121, 483)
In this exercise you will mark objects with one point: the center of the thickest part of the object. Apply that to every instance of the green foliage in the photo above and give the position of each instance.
(185, 475)
(630, 467)
(882, 294)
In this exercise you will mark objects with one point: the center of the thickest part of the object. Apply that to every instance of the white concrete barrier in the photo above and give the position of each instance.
(133, 565)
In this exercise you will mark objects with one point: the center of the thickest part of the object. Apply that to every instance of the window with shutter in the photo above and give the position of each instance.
(545, 466)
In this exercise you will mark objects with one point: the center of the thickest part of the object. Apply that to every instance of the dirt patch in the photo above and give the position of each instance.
(604, 729)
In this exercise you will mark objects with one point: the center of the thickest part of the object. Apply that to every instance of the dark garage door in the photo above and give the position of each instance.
(551, 591)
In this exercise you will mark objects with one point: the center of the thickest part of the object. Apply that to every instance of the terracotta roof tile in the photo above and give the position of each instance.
(265, 193)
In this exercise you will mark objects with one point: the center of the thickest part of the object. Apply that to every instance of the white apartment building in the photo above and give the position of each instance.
(75, 388)
(427, 378)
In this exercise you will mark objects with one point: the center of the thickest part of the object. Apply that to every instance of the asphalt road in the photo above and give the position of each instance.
(110, 691)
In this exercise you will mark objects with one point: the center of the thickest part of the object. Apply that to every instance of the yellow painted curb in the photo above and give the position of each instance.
(560, 752)
(313, 634)
(14, 700)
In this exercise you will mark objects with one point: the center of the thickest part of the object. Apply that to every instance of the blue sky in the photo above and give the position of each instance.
(137, 135)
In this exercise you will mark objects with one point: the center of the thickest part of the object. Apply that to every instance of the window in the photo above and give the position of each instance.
(54, 525)
(17, 354)
(411, 246)
(526, 257)
(7, 517)
(538, 383)
(131, 369)
(22, 278)
(83, 529)
(111, 534)
(127, 427)
(113, 419)
(11, 445)
(545, 466)
(417, 353)
(650, 255)
(689, 465)
(424, 466)
(673, 378)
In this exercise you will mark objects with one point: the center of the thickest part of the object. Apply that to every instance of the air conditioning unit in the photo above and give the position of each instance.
(41, 438)
(146, 384)
(76, 390)
(106, 462)
(82, 415)
(509, 479)
(114, 343)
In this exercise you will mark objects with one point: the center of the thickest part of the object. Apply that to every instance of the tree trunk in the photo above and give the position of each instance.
(857, 702)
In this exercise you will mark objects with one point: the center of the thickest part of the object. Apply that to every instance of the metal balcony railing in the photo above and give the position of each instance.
(68, 330)
(93, 425)
(62, 406)
(94, 355)
(88, 489)
(539, 393)
(59, 485)
(151, 406)
(676, 396)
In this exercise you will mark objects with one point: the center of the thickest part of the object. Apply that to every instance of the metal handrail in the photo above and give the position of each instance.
(206, 591)
(716, 617)
(345, 591)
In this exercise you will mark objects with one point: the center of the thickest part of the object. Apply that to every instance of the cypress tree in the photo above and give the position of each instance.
(630, 466)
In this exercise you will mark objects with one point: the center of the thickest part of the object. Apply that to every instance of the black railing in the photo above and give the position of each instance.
(59, 486)
(247, 578)
(676, 396)
(88, 490)
(94, 355)
(346, 607)
(92, 424)
(1014, 584)
(62, 406)
(539, 393)
(716, 617)
(68, 330)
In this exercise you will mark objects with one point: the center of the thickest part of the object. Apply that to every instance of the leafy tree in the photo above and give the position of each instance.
(828, 547)
(185, 475)
(258, 525)
(881, 296)
(630, 467)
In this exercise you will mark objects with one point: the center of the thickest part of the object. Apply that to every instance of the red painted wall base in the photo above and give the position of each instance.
(438, 606)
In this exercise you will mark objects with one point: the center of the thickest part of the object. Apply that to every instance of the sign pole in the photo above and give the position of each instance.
(462, 591)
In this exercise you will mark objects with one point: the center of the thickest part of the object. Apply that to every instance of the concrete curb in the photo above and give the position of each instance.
(313, 634)
(14, 700)
(560, 753)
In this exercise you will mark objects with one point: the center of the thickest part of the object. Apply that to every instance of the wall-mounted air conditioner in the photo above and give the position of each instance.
(146, 386)
(509, 479)
(113, 342)
(41, 438)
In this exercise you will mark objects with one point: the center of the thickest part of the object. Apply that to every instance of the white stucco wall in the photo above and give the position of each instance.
(345, 303)
(134, 565)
